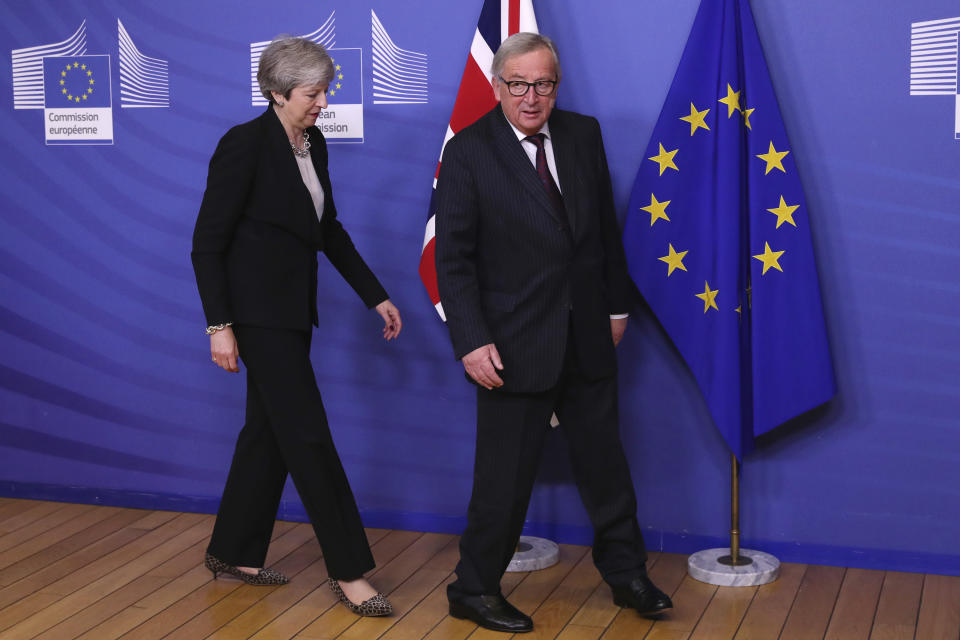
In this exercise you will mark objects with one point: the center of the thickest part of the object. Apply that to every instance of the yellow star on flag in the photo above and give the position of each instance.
(732, 100)
(784, 213)
(339, 76)
(769, 258)
(665, 159)
(76, 64)
(64, 90)
(338, 67)
(89, 73)
(657, 210)
(773, 158)
(696, 119)
(709, 297)
(746, 117)
(338, 85)
(333, 92)
(64, 73)
(673, 259)
(83, 66)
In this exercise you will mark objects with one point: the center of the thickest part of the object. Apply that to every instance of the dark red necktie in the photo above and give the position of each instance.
(553, 192)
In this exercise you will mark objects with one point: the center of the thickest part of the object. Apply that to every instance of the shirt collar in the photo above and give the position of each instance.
(545, 129)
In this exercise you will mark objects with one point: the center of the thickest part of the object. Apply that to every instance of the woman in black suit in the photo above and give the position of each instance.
(266, 213)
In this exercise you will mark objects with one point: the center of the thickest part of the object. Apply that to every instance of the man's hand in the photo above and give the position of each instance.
(223, 349)
(617, 327)
(482, 365)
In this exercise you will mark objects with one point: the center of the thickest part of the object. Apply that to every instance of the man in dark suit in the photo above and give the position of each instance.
(534, 284)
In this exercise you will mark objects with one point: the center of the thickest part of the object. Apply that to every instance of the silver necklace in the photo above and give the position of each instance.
(304, 151)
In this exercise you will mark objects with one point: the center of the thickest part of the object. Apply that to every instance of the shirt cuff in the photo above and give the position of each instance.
(619, 316)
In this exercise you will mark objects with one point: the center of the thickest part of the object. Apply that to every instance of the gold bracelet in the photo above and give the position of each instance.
(212, 329)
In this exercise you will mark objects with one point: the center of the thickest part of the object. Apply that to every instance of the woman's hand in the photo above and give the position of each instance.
(223, 348)
(391, 319)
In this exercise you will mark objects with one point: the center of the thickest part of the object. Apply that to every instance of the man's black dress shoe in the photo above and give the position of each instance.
(642, 595)
(491, 612)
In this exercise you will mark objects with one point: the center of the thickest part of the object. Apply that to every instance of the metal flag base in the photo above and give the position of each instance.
(534, 553)
(709, 566)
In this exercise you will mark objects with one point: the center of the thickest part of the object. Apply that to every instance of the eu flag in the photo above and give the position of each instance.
(717, 235)
(77, 82)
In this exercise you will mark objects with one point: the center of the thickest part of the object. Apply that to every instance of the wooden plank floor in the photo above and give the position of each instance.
(97, 573)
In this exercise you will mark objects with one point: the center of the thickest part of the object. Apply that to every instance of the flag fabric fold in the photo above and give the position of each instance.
(717, 235)
(499, 19)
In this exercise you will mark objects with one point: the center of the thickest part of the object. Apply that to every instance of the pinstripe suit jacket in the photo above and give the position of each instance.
(514, 272)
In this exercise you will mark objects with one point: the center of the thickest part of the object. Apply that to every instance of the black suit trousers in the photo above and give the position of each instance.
(511, 428)
(286, 430)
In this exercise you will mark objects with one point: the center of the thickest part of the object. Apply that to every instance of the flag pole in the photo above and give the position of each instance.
(733, 567)
(734, 559)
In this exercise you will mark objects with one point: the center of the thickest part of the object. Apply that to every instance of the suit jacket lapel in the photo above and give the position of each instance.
(511, 152)
(565, 156)
(279, 147)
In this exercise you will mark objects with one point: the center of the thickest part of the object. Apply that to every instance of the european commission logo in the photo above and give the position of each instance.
(77, 106)
(399, 75)
(343, 119)
(74, 88)
(144, 81)
(933, 61)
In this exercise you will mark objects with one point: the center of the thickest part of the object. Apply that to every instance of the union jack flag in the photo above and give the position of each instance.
(499, 19)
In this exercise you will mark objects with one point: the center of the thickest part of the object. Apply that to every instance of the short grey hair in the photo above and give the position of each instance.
(290, 62)
(519, 44)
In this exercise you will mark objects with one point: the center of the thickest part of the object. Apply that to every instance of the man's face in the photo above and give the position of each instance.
(529, 111)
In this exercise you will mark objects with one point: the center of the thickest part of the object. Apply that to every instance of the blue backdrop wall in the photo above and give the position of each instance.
(107, 392)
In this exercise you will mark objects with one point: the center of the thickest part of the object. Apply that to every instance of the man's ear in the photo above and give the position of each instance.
(495, 83)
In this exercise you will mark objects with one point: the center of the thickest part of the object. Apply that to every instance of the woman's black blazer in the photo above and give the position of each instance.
(257, 235)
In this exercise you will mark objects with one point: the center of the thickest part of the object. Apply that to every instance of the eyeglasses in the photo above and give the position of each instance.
(519, 87)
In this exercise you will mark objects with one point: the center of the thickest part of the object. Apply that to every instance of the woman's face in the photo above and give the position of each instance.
(303, 106)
